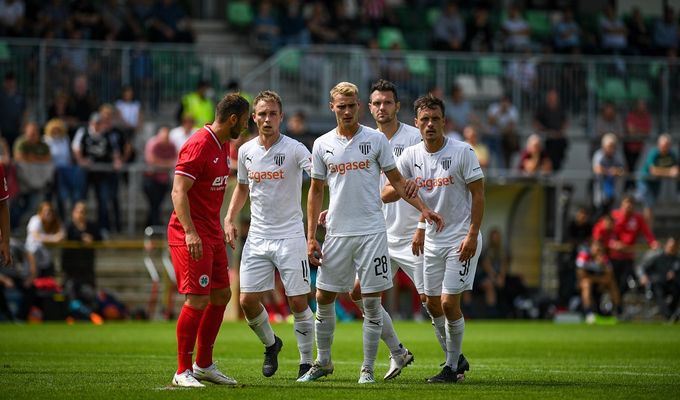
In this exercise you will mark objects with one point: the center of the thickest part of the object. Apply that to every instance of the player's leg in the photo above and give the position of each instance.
(375, 276)
(257, 278)
(293, 266)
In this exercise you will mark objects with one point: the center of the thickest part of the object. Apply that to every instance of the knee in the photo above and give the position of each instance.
(220, 297)
(199, 302)
(298, 304)
(250, 303)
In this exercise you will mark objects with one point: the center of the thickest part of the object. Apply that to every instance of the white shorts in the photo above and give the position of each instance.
(443, 273)
(364, 257)
(401, 255)
(260, 257)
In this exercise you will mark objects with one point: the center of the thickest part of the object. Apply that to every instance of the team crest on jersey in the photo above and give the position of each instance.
(279, 158)
(365, 147)
(203, 280)
(446, 163)
(398, 149)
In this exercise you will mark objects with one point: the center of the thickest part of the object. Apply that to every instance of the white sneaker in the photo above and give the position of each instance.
(317, 371)
(366, 376)
(590, 318)
(212, 374)
(186, 379)
(397, 364)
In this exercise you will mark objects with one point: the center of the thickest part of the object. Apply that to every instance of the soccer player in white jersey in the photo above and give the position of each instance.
(270, 168)
(450, 181)
(349, 158)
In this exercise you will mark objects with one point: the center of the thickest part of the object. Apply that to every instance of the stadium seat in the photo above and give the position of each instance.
(539, 23)
(639, 89)
(433, 15)
(388, 36)
(239, 14)
(490, 66)
(418, 64)
(491, 87)
(289, 60)
(5, 53)
(612, 89)
(468, 85)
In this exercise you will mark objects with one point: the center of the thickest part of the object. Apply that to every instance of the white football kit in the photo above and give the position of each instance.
(442, 178)
(351, 169)
(402, 218)
(276, 237)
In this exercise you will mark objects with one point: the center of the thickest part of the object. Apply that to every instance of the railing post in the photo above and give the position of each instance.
(591, 87)
(42, 82)
(665, 97)
(133, 187)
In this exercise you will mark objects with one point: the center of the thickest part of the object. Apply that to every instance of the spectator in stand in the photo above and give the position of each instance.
(448, 32)
(608, 167)
(296, 127)
(534, 160)
(69, 178)
(34, 169)
(613, 32)
(98, 154)
(638, 129)
(160, 155)
(459, 109)
(661, 275)
(639, 35)
(199, 104)
(12, 22)
(608, 121)
(516, 30)
(180, 134)
(502, 120)
(593, 268)
(661, 163)
(523, 71)
(481, 151)
(567, 33)
(121, 24)
(85, 18)
(265, 29)
(82, 102)
(666, 32)
(551, 122)
(43, 227)
(59, 109)
(628, 225)
(130, 111)
(12, 109)
(479, 36)
(169, 22)
(319, 25)
(293, 24)
(78, 263)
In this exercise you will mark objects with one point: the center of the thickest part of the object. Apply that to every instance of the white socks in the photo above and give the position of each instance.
(438, 324)
(325, 328)
(388, 334)
(260, 325)
(454, 341)
(304, 332)
(373, 327)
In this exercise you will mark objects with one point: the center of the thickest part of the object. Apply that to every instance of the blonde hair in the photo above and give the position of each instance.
(344, 89)
(55, 124)
(608, 138)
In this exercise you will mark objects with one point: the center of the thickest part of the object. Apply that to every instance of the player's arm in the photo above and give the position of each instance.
(238, 199)
(180, 202)
(397, 181)
(468, 247)
(4, 234)
(390, 195)
(314, 202)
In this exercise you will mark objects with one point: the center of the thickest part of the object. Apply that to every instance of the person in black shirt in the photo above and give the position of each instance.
(662, 275)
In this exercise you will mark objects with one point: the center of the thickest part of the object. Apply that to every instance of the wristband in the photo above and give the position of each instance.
(422, 225)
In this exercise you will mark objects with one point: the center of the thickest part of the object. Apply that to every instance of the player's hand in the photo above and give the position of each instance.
(467, 248)
(194, 245)
(230, 233)
(314, 252)
(410, 189)
(434, 218)
(322, 217)
(418, 242)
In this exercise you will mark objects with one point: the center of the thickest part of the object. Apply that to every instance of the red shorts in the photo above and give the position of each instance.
(198, 277)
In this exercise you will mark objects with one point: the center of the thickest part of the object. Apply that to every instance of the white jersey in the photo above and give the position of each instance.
(442, 178)
(352, 171)
(274, 177)
(401, 217)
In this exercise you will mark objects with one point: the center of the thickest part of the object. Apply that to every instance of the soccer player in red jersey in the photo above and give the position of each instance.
(5, 254)
(197, 241)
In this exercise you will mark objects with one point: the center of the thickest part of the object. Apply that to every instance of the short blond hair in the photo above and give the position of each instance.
(55, 124)
(344, 89)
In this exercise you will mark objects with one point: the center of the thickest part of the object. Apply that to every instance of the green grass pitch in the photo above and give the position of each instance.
(518, 360)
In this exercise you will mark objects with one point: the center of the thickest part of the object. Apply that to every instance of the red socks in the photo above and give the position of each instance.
(187, 330)
(207, 333)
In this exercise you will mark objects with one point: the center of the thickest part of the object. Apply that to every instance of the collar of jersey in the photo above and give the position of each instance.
(209, 129)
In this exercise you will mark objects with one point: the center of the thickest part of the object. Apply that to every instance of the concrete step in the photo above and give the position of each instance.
(208, 25)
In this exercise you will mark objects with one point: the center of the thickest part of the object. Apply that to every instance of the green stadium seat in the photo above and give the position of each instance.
(5, 53)
(613, 89)
(289, 59)
(418, 64)
(433, 15)
(490, 66)
(539, 23)
(388, 36)
(239, 14)
(639, 89)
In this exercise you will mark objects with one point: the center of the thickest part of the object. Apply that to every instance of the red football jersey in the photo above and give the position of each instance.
(204, 160)
(4, 193)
